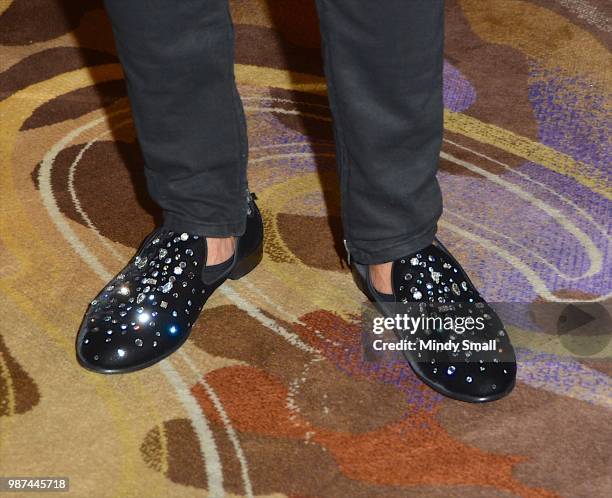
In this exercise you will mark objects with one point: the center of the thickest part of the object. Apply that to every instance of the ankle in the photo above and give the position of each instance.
(219, 250)
(380, 276)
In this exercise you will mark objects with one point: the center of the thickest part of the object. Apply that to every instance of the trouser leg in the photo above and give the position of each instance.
(178, 60)
(384, 64)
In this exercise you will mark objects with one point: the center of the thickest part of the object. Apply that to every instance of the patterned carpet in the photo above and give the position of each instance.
(271, 396)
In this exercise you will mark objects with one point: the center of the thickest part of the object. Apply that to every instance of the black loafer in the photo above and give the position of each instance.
(146, 312)
(431, 283)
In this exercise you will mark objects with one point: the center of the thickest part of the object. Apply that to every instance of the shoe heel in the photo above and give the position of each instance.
(247, 264)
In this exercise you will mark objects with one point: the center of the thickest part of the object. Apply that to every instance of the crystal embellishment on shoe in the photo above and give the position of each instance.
(146, 312)
(432, 283)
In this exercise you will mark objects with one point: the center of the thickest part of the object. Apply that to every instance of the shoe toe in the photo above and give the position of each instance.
(108, 347)
(473, 381)
(480, 382)
(105, 350)
(107, 358)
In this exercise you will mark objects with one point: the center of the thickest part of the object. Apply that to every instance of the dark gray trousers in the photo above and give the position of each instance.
(383, 63)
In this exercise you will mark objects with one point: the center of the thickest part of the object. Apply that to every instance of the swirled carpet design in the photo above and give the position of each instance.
(271, 396)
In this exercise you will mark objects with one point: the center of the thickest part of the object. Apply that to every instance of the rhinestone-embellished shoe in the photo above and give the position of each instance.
(431, 283)
(146, 312)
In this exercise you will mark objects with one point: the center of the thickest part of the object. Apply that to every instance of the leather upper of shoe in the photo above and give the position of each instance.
(149, 306)
(148, 309)
(431, 283)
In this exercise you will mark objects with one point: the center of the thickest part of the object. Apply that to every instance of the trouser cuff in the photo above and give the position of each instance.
(178, 224)
(373, 253)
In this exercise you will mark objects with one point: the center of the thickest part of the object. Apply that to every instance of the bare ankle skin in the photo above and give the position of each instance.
(219, 250)
(381, 277)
